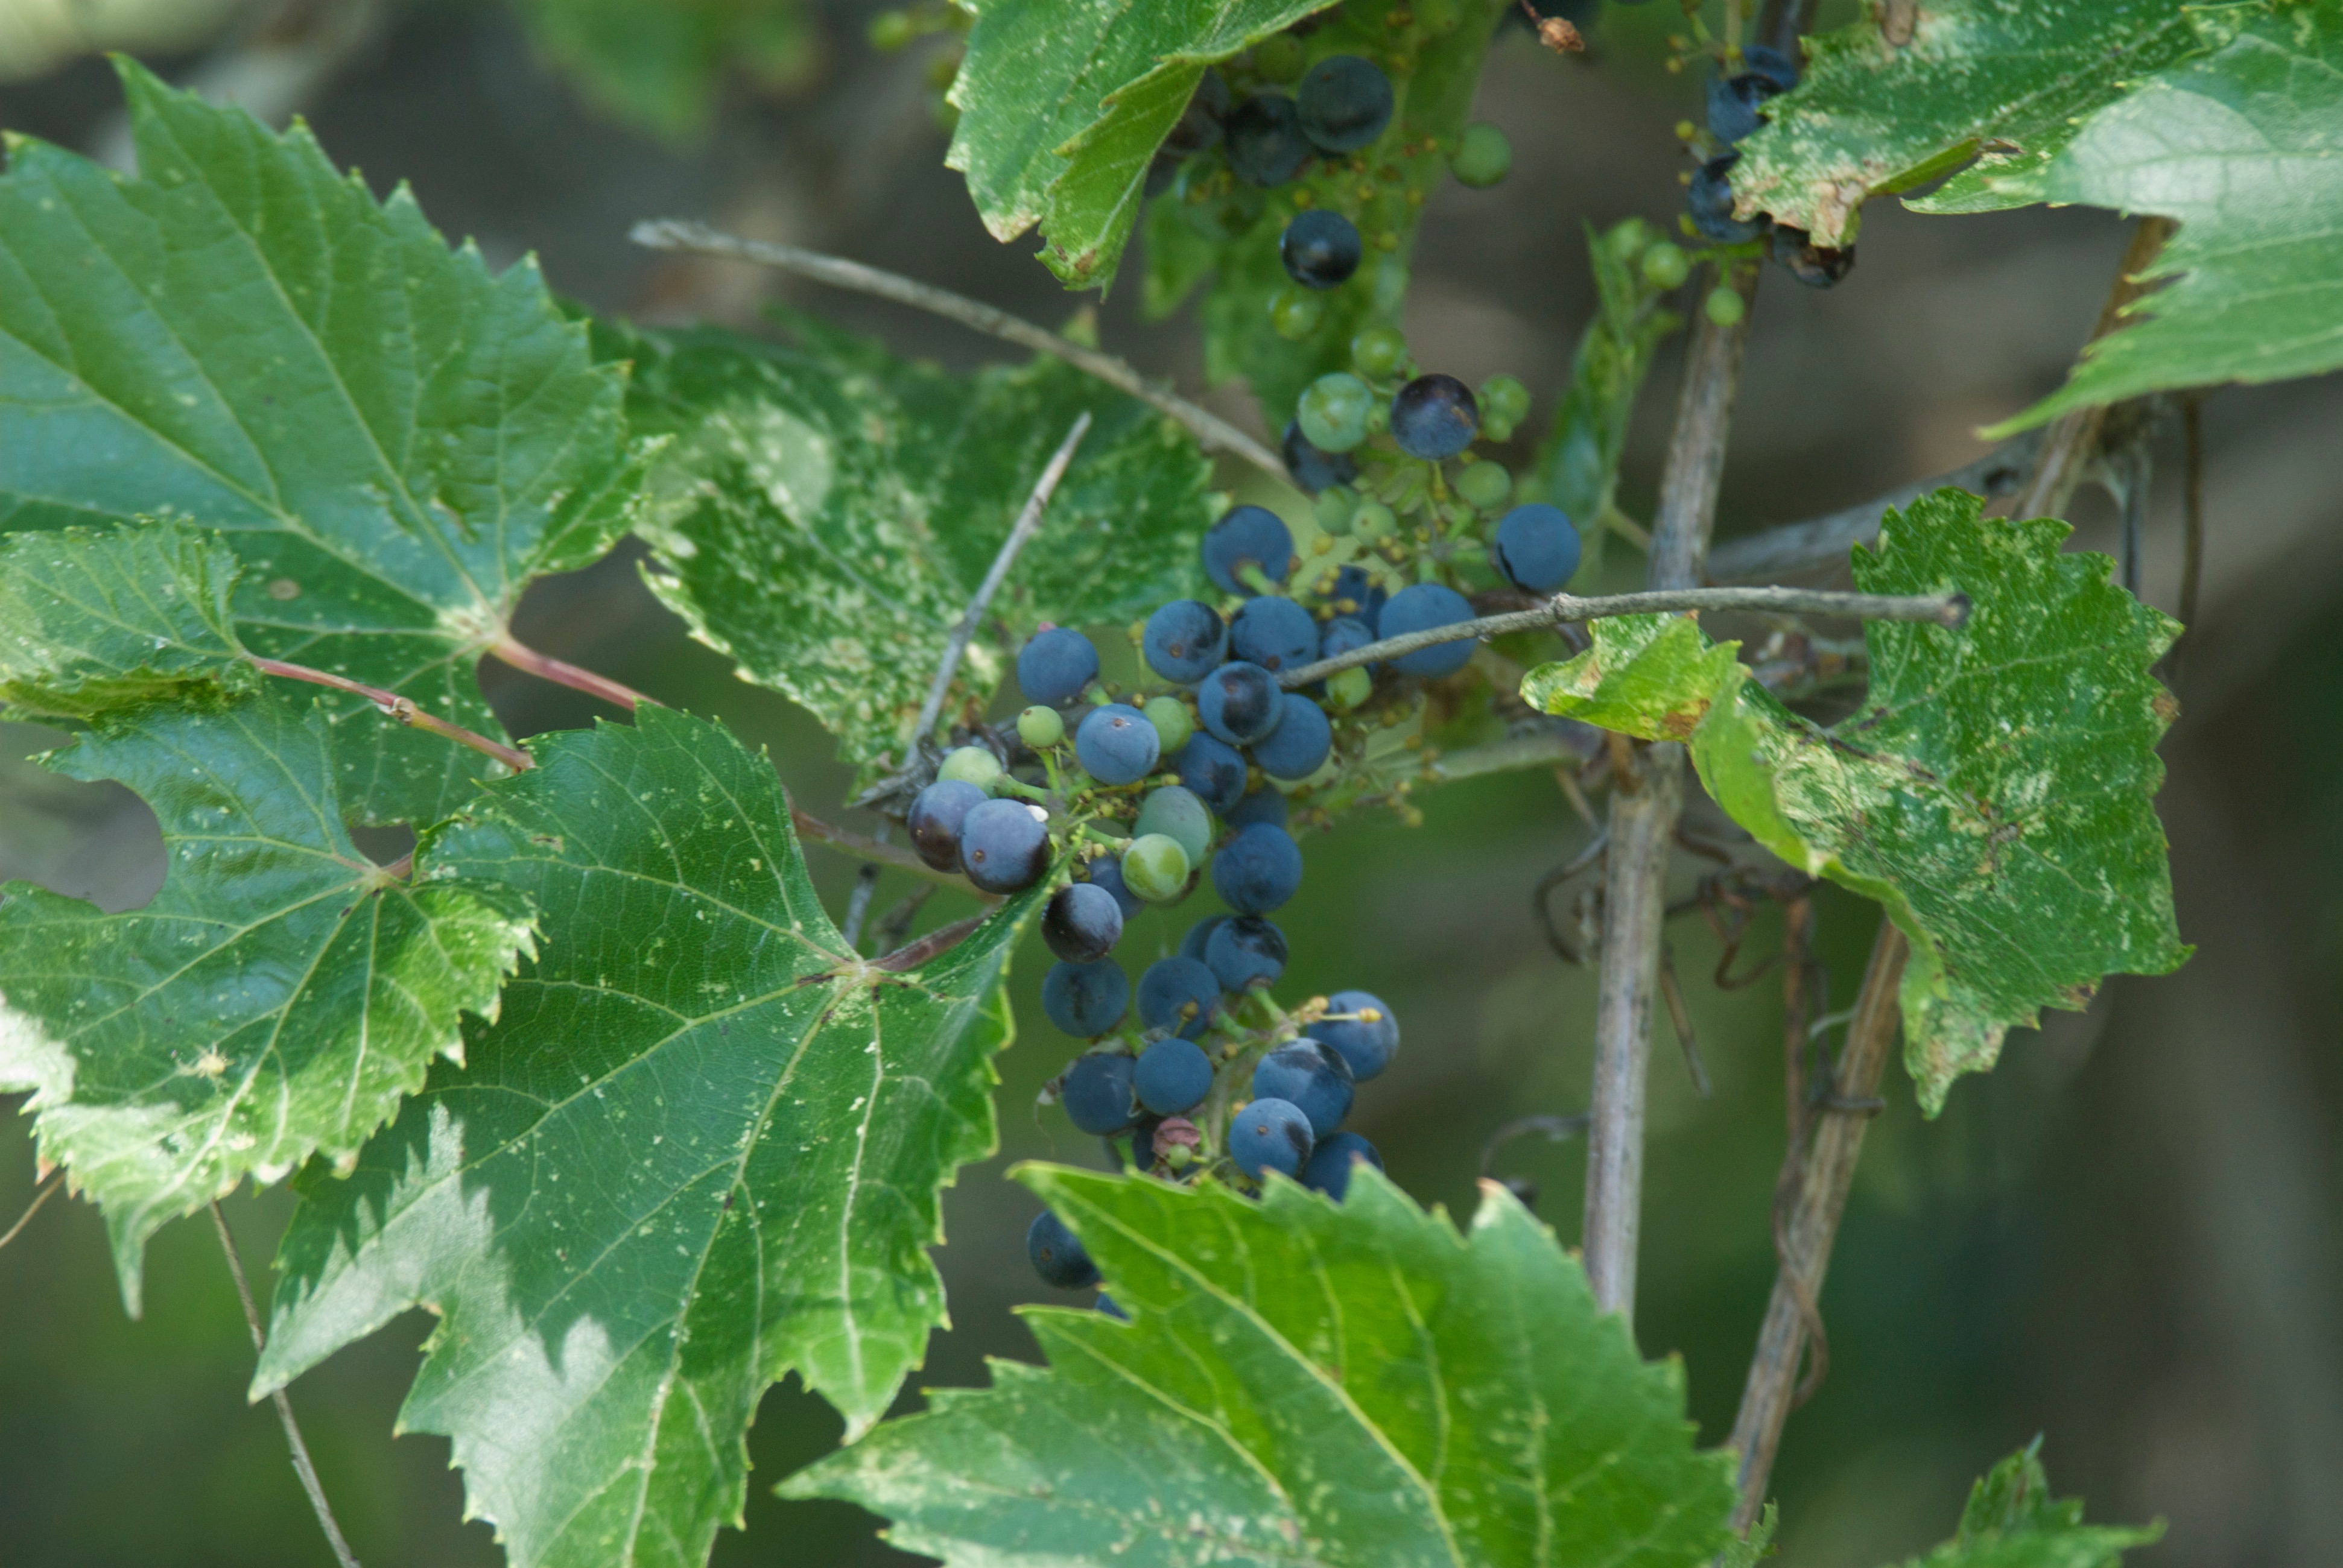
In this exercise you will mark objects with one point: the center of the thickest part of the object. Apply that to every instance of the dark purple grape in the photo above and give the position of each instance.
(1709, 200)
(1117, 744)
(1343, 103)
(1420, 607)
(1266, 144)
(1435, 418)
(1259, 806)
(1174, 1076)
(1247, 536)
(1320, 249)
(1053, 667)
(1273, 633)
(1270, 1135)
(1204, 121)
(1314, 468)
(1368, 1044)
(1086, 999)
(1247, 953)
(1536, 547)
(1257, 869)
(1180, 994)
(1331, 1162)
(1309, 1075)
(1213, 769)
(1186, 639)
(1096, 1093)
(1107, 872)
(1081, 922)
(1816, 265)
(1200, 934)
(1058, 1257)
(1004, 846)
(937, 813)
(1240, 704)
(1300, 744)
(1778, 70)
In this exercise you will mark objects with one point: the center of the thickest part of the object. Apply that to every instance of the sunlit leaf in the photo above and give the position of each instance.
(2012, 1521)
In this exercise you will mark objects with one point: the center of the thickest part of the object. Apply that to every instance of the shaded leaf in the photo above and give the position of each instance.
(1994, 791)
(2012, 1521)
(827, 510)
(1303, 1383)
(274, 1002)
(95, 621)
(660, 65)
(392, 438)
(702, 1145)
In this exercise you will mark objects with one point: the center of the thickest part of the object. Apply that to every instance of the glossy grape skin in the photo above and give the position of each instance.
(1168, 985)
(1239, 704)
(1213, 768)
(1247, 953)
(1081, 922)
(1314, 468)
(1156, 868)
(1333, 1161)
(1270, 1135)
(1186, 639)
(1107, 872)
(1174, 1076)
(1055, 665)
(1367, 1047)
(1709, 200)
(1004, 846)
(1320, 250)
(1334, 415)
(1311, 1076)
(1257, 870)
(1200, 936)
(1435, 418)
(1096, 1093)
(1117, 744)
(1420, 607)
(1086, 999)
(1245, 536)
(1300, 744)
(1343, 103)
(937, 813)
(1259, 806)
(1273, 633)
(1536, 547)
(1175, 812)
(1057, 1256)
(1266, 146)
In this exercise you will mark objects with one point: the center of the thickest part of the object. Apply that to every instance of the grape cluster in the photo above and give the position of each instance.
(1736, 104)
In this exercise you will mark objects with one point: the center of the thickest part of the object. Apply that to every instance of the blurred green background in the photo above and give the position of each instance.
(2126, 1238)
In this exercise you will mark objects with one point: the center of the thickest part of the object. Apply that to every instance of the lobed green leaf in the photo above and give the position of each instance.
(2012, 1521)
(92, 621)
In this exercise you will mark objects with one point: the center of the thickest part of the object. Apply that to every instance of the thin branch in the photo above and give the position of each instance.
(1029, 523)
(1943, 609)
(401, 710)
(1216, 433)
(301, 1466)
(47, 1189)
(510, 650)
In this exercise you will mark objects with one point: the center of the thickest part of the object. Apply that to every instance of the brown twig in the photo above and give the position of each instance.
(400, 709)
(41, 1194)
(509, 650)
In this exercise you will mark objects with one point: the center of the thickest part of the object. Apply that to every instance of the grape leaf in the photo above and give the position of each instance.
(92, 621)
(660, 65)
(1303, 1383)
(826, 511)
(274, 1002)
(1061, 109)
(2012, 1521)
(392, 439)
(1994, 791)
(2245, 147)
(2011, 78)
(703, 1144)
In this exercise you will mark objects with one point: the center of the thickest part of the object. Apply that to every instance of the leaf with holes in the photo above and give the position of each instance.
(1996, 792)
(274, 1002)
(826, 511)
(1303, 1384)
(2012, 1521)
(703, 1144)
(392, 438)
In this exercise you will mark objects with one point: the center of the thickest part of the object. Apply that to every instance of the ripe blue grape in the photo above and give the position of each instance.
(1200, 936)
(1357, 595)
(1367, 1044)
(1117, 744)
(1247, 953)
(1709, 200)
(1733, 104)
(1257, 869)
(1314, 468)
(1142, 1138)
(1053, 667)
(1420, 607)
(1174, 1076)
(1213, 768)
(1058, 1257)
(936, 814)
(1343, 103)
(1536, 547)
(1816, 265)
(1106, 1303)
(1273, 633)
(1107, 872)
(1167, 989)
(1270, 1135)
(1202, 123)
(1320, 249)
(1779, 71)
(1004, 845)
(1086, 999)
(1435, 418)
(1096, 1092)
(1331, 1162)
(1186, 639)
(1156, 868)
(1081, 922)
(1247, 536)
(1175, 812)
(1312, 1077)
(1257, 806)
(1300, 744)
(1239, 704)
(1342, 634)
(1266, 144)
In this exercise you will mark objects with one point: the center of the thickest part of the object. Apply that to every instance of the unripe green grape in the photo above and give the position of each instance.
(974, 764)
(1724, 306)
(1483, 156)
(1666, 265)
(1155, 868)
(1379, 418)
(1496, 432)
(1346, 688)
(1334, 411)
(890, 30)
(1041, 728)
(1629, 239)
(1177, 814)
(1336, 506)
(1503, 399)
(1486, 485)
(1281, 58)
(1374, 521)
(1379, 352)
(1173, 723)
(1294, 313)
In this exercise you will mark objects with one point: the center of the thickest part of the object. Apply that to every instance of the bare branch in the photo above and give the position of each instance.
(510, 650)
(1216, 433)
(47, 1189)
(401, 710)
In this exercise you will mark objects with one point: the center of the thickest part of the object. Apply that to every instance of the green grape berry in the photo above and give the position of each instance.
(1041, 728)
(1379, 418)
(1503, 399)
(890, 30)
(1379, 352)
(1336, 506)
(1281, 58)
(1294, 313)
(1175, 812)
(1346, 688)
(1486, 485)
(971, 764)
(1496, 432)
(1629, 239)
(1173, 723)
(1482, 157)
(1375, 521)
(1438, 16)
(1155, 868)
(1666, 265)
(1725, 307)
(1334, 411)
